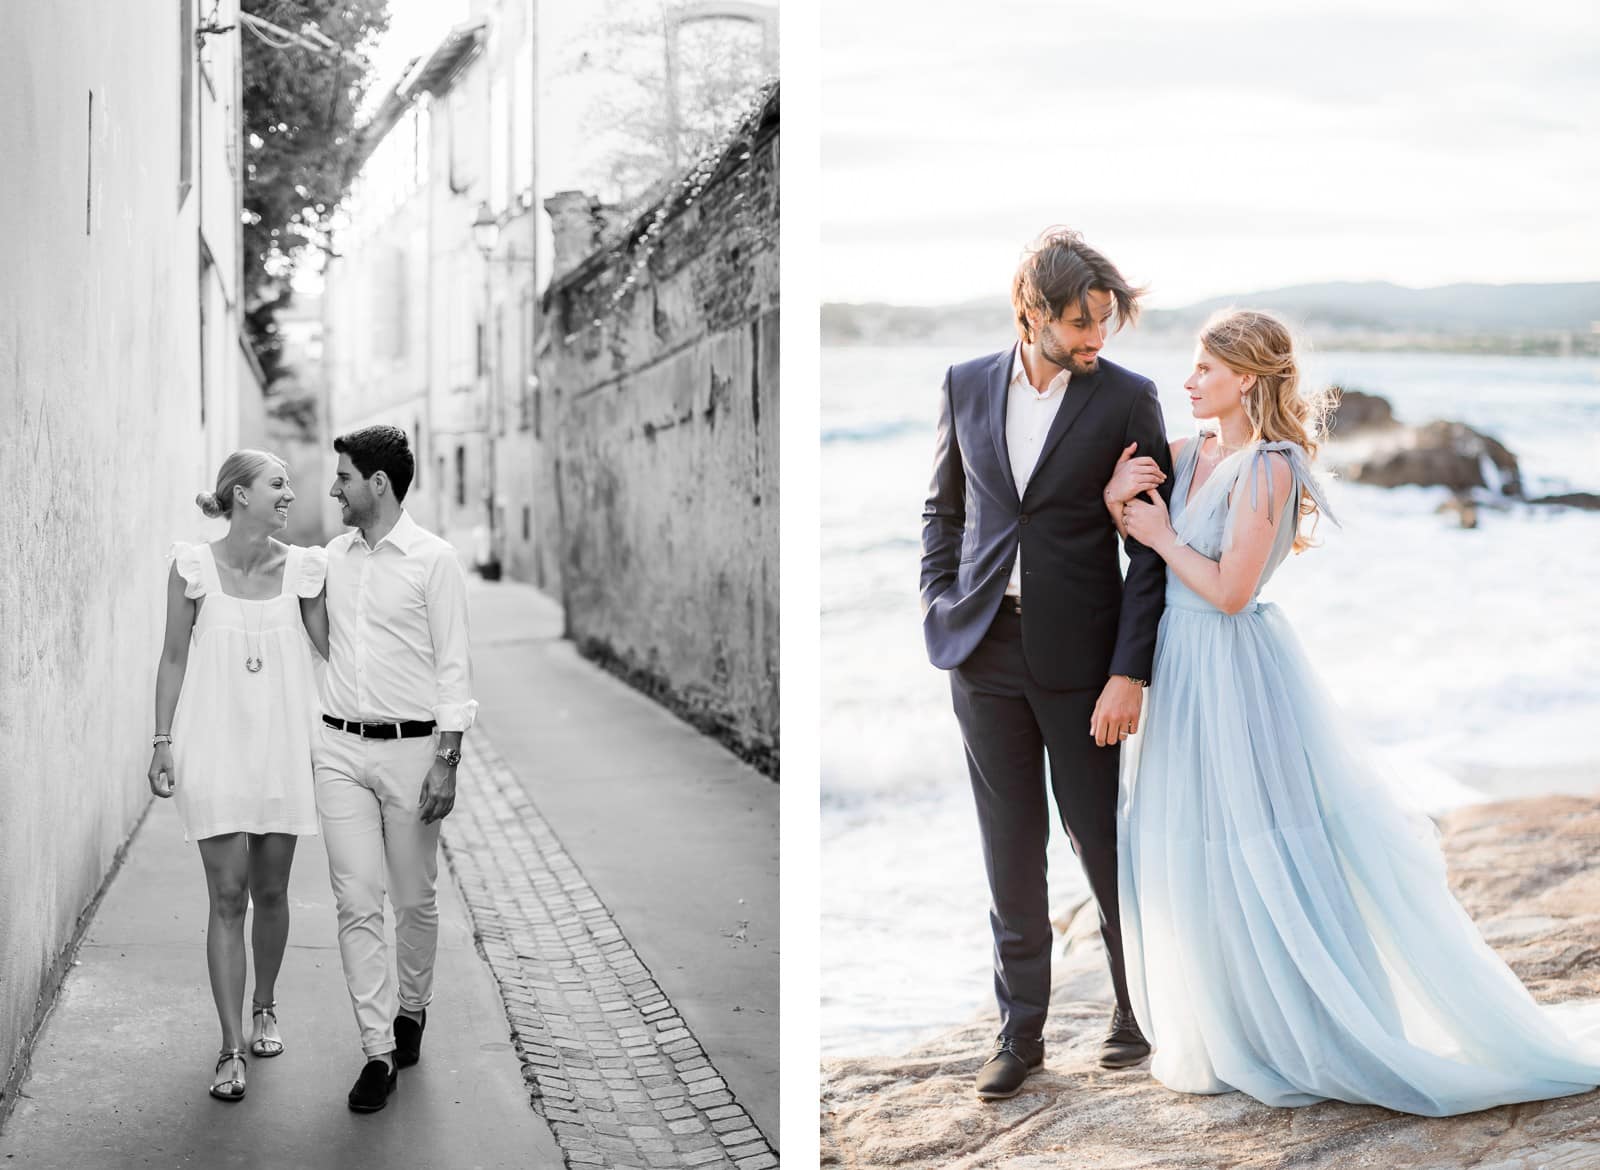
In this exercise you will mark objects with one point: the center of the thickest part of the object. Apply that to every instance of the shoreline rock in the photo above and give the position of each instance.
(1528, 871)
(1583, 501)
(1366, 444)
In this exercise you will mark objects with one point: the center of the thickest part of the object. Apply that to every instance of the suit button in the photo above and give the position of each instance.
(1022, 519)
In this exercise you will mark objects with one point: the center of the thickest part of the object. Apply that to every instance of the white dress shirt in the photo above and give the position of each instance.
(397, 630)
(1029, 414)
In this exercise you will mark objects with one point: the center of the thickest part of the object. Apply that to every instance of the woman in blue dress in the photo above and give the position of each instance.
(1289, 930)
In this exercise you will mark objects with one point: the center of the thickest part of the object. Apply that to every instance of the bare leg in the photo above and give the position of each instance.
(271, 856)
(226, 860)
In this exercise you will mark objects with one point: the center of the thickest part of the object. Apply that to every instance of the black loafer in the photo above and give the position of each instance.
(408, 1039)
(1124, 1045)
(1003, 1073)
(371, 1091)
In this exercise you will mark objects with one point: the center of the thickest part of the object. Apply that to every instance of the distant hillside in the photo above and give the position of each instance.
(1508, 317)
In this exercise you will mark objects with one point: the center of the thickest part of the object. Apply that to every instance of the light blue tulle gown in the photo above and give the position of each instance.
(1288, 928)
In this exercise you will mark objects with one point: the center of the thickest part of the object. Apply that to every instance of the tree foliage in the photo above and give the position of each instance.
(641, 130)
(300, 103)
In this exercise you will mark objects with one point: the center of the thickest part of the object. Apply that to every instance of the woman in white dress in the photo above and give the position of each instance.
(235, 699)
(1288, 927)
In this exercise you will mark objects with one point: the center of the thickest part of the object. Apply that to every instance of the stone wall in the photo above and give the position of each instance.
(660, 383)
(102, 443)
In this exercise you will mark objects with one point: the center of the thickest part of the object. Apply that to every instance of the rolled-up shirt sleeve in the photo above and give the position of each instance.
(454, 708)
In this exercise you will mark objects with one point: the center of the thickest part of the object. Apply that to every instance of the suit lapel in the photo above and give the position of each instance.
(999, 396)
(1077, 394)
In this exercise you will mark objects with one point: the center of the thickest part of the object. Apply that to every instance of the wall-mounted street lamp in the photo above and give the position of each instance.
(485, 230)
(486, 236)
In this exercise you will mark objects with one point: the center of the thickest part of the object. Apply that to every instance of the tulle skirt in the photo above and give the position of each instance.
(1288, 927)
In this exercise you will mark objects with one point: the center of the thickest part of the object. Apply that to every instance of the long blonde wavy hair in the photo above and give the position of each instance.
(1249, 341)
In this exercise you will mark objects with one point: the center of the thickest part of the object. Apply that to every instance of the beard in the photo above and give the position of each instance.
(1056, 355)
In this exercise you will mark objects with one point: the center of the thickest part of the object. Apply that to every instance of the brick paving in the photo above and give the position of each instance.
(608, 1061)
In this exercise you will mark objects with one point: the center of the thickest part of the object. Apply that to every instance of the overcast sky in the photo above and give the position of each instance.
(1209, 147)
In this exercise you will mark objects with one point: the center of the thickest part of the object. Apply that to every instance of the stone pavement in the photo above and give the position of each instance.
(609, 1061)
(675, 835)
(619, 874)
(120, 1069)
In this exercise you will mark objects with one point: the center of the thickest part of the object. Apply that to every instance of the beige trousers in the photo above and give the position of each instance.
(367, 793)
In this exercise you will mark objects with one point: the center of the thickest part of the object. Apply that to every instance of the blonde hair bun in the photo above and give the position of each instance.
(237, 470)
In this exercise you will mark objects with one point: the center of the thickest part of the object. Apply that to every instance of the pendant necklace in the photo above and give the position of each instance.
(252, 662)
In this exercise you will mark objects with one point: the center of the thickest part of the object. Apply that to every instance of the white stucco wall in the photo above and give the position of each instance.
(102, 448)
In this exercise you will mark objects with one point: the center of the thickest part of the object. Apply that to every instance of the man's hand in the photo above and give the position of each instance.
(438, 792)
(1132, 477)
(1116, 713)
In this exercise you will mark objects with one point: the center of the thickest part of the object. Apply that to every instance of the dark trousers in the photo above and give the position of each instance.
(1010, 724)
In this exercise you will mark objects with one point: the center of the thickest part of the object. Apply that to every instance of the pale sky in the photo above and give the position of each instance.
(1208, 147)
(417, 26)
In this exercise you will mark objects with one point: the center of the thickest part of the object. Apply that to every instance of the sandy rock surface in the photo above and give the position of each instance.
(1529, 873)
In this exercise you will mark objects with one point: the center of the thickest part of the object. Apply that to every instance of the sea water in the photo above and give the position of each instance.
(1467, 658)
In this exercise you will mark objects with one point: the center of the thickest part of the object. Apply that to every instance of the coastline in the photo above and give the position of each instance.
(1527, 872)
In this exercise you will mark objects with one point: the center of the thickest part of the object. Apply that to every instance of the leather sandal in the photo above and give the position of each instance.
(262, 1044)
(229, 1088)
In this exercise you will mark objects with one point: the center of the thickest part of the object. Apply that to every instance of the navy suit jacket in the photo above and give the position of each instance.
(1081, 622)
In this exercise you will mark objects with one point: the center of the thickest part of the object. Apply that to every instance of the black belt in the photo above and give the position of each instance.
(410, 729)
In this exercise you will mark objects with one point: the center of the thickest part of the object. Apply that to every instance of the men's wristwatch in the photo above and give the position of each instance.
(1138, 682)
(451, 756)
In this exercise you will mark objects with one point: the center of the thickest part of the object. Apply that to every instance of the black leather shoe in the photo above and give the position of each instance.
(1124, 1045)
(371, 1091)
(408, 1039)
(1003, 1073)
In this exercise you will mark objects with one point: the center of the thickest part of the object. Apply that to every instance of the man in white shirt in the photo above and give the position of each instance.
(397, 698)
(1025, 604)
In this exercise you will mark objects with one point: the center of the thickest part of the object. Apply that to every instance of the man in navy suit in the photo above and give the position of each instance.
(1024, 602)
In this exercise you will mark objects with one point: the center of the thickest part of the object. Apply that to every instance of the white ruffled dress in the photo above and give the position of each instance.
(241, 739)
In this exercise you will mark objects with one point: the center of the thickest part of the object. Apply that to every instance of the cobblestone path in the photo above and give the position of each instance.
(608, 1061)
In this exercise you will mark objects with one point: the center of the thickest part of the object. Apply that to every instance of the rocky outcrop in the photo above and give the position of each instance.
(1586, 501)
(1356, 410)
(1439, 454)
(1528, 872)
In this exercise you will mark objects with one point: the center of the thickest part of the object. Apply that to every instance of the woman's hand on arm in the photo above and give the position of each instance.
(1131, 478)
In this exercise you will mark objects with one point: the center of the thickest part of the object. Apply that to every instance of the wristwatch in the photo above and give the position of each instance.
(451, 756)
(1138, 682)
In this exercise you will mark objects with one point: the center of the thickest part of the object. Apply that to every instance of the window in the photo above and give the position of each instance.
(186, 52)
(499, 108)
(497, 424)
(461, 476)
(521, 120)
(526, 392)
(205, 357)
(392, 309)
(527, 522)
